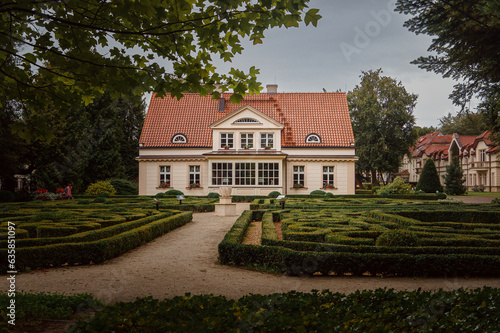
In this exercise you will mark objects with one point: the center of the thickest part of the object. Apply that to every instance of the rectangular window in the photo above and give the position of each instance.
(269, 174)
(222, 173)
(194, 176)
(244, 174)
(226, 140)
(164, 176)
(298, 175)
(328, 176)
(266, 140)
(482, 155)
(246, 140)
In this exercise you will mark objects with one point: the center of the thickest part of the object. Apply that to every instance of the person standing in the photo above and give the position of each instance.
(67, 190)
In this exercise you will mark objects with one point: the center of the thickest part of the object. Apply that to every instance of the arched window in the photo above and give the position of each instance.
(313, 138)
(246, 121)
(179, 138)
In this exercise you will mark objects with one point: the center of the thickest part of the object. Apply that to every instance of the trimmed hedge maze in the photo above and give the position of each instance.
(66, 232)
(400, 240)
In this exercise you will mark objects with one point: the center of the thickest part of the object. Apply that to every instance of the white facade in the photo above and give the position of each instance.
(247, 155)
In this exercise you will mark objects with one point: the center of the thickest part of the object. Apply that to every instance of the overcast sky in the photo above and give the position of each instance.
(352, 36)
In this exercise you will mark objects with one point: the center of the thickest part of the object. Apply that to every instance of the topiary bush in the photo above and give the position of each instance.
(99, 200)
(213, 195)
(174, 192)
(318, 192)
(429, 179)
(6, 196)
(104, 195)
(274, 194)
(160, 195)
(123, 187)
(398, 237)
(83, 202)
(100, 187)
(329, 195)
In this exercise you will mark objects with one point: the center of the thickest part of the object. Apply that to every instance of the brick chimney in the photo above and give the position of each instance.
(272, 89)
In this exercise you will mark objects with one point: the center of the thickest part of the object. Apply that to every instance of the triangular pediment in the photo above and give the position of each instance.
(246, 116)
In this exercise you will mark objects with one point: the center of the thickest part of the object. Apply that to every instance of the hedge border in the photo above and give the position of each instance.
(294, 262)
(94, 251)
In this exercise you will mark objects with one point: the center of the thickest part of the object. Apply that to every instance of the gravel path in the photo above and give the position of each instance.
(185, 260)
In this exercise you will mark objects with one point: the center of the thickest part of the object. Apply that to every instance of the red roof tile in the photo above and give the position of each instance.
(325, 114)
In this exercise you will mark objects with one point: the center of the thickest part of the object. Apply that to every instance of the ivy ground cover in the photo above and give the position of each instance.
(86, 230)
(375, 237)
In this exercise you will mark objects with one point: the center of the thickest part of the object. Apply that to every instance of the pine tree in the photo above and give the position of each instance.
(453, 179)
(429, 179)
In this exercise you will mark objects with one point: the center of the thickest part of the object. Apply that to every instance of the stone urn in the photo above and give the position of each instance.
(225, 193)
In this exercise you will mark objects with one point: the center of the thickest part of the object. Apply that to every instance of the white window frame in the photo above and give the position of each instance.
(222, 176)
(166, 172)
(246, 139)
(265, 138)
(330, 175)
(179, 138)
(313, 138)
(226, 139)
(245, 173)
(194, 175)
(269, 176)
(299, 175)
(247, 121)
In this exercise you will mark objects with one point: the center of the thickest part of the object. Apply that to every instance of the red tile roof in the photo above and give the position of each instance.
(324, 114)
(435, 143)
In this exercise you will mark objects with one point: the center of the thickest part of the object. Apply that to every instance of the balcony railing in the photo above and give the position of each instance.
(479, 165)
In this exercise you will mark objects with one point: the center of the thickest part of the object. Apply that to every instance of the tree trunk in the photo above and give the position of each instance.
(374, 178)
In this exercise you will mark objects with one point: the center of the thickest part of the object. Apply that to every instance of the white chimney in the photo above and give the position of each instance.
(272, 89)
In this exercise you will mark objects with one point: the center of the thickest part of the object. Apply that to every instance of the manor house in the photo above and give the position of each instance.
(293, 143)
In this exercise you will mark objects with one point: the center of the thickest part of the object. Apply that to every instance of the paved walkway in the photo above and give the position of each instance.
(185, 260)
(475, 199)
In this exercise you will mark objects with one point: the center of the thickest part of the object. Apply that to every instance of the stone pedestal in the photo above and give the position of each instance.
(225, 209)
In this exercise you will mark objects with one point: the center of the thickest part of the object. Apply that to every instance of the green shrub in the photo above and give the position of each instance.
(398, 237)
(109, 202)
(213, 195)
(6, 196)
(496, 201)
(104, 195)
(100, 187)
(329, 195)
(83, 202)
(398, 186)
(429, 179)
(160, 195)
(383, 194)
(381, 310)
(274, 194)
(123, 187)
(99, 200)
(441, 195)
(318, 192)
(174, 192)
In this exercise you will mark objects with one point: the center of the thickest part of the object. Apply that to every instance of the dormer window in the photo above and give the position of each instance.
(247, 121)
(179, 138)
(313, 138)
